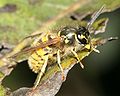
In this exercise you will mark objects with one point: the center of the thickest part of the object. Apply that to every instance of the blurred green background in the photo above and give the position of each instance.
(100, 76)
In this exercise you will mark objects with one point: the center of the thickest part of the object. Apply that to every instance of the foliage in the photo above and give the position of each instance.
(21, 18)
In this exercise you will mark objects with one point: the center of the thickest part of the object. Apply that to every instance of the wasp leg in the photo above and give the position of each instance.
(78, 60)
(59, 63)
(96, 50)
(40, 74)
(90, 46)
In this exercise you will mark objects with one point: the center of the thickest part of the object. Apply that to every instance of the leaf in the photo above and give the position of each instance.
(99, 26)
(21, 18)
(2, 91)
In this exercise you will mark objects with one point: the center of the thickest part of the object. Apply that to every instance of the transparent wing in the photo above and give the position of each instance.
(41, 45)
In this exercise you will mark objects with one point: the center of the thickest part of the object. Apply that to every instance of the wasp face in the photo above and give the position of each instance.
(72, 35)
(83, 35)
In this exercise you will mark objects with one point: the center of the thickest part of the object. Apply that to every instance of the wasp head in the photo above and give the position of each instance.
(71, 35)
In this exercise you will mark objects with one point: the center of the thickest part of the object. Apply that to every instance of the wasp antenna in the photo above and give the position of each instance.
(112, 38)
(95, 16)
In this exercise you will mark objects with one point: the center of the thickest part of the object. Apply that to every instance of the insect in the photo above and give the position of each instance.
(49, 46)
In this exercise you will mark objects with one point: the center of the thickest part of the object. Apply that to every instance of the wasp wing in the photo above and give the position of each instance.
(41, 45)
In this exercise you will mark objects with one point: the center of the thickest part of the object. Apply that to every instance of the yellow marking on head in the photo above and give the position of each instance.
(88, 46)
(82, 36)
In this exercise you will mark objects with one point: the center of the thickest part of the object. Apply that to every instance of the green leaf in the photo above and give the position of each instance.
(20, 18)
(2, 91)
(99, 26)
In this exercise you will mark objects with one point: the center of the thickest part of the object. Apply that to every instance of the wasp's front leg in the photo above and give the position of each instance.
(91, 47)
(76, 55)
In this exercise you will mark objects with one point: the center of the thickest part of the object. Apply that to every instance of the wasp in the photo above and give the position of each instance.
(49, 46)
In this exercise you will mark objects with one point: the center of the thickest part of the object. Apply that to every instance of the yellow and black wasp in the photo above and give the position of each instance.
(49, 46)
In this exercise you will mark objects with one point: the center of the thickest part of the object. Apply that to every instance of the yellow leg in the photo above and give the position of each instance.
(59, 63)
(40, 74)
(78, 60)
(96, 50)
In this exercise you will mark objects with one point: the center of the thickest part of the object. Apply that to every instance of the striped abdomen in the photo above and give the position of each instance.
(37, 59)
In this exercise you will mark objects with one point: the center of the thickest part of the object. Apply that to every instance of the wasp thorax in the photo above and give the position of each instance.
(68, 33)
(83, 35)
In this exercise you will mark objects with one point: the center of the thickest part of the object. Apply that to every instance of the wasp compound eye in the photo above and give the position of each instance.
(67, 30)
(69, 35)
(83, 35)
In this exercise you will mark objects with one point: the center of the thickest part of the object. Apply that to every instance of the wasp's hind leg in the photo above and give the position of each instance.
(40, 74)
(78, 60)
(59, 63)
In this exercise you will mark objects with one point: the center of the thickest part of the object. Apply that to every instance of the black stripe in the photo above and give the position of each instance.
(37, 54)
(34, 58)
